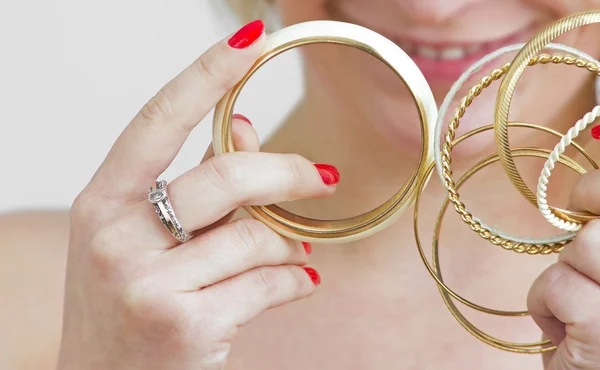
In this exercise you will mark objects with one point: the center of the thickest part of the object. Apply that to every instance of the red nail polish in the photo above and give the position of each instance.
(313, 274)
(329, 174)
(596, 132)
(241, 117)
(247, 35)
(307, 247)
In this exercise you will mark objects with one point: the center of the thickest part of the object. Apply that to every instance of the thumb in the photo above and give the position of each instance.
(564, 304)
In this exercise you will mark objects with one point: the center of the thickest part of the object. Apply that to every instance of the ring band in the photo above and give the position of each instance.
(159, 198)
(357, 227)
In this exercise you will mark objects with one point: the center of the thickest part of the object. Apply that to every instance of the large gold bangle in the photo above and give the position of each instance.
(505, 94)
(459, 206)
(330, 231)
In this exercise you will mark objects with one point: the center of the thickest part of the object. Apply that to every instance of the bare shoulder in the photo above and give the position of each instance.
(33, 254)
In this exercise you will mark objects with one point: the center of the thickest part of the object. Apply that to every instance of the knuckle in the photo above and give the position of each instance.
(302, 284)
(103, 253)
(580, 355)
(221, 172)
(159, 108)
(106, 256)
(552, 281)
(215, 70)
(250, 234)
(208, 317)
(83, 206)
(294, 164)
(281, 284)
(587, 239)
(583, 185)
(267, 281)
(144, 304)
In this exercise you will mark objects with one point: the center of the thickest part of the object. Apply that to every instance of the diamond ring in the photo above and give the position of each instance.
(159, 198)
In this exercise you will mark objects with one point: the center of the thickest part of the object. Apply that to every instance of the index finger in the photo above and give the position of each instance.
(151, 141)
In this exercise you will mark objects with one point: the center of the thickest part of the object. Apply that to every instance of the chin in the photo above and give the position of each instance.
(403, 130)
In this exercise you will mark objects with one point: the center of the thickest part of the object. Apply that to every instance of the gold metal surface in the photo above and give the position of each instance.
(506, 92)
(448, 145)
(490, 159)
(435, 270)
(336, 231)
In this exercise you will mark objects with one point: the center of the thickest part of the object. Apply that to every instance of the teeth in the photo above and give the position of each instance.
(453, 53)
(426, 52)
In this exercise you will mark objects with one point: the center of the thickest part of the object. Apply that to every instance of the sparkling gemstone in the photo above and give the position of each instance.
(157, 195)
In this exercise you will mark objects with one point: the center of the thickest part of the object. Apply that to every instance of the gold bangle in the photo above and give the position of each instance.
(459, 206)
(506, 92)
(434, 268)
(353, 228)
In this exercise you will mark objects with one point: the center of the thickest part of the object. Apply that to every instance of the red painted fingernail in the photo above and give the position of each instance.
(329, 174)
(307, 247)
(596, 132)
(313, 274)
(247, 35)
(242, 117)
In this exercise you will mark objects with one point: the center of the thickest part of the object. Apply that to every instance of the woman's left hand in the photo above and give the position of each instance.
(565, 300)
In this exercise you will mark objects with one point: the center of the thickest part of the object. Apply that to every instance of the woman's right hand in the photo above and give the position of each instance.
(138, 299)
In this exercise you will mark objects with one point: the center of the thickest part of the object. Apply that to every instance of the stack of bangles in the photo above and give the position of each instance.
(437, 149)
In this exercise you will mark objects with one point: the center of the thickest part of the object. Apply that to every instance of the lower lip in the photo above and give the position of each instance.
(447, 71)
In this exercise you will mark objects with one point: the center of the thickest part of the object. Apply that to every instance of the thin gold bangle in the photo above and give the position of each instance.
(505, 95)
(434, 268)
(336, 231)
(459, 206)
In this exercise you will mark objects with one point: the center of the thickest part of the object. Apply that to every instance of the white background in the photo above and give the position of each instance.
(73, 73)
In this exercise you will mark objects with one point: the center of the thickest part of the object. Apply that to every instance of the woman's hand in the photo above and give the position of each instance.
(565, 300)
(135, 297)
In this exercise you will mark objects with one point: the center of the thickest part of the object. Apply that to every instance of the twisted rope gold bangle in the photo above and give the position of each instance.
(459, 206)
(507, 89)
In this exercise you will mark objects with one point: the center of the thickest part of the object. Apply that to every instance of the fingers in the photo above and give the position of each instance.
(244, 136)
(245, 139)
(153, 138)
(584, 253)
(584, 196)
(224, 183)
(563, 303)
(257, 290)
(227, 251)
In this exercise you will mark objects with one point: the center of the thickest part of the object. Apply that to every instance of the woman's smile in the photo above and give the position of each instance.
(440, 49)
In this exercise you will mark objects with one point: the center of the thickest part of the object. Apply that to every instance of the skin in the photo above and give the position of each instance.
(135, 300)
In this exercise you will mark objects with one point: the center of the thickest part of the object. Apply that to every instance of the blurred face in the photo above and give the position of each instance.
(443, 37)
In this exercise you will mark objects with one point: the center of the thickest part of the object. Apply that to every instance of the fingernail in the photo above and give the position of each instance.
(247, 35)
(313, 274)
(307, 247)
(329, 174)
(596, 132)
(242, 117)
